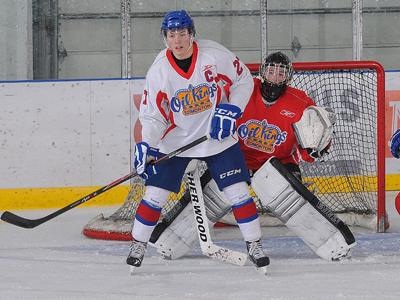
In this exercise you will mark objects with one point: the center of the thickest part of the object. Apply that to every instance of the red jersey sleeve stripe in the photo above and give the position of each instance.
(225, 78)
(160, 97)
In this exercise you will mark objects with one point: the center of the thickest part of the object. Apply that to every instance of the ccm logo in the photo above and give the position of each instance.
(225, 112)
(230, 173)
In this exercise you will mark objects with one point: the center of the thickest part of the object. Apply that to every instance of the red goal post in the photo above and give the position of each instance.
(350, 179)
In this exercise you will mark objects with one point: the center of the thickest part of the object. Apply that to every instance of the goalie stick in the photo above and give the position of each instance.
(207, 246)
(14, 219)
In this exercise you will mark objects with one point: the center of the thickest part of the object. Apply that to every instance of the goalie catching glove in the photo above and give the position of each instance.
(314, 131)
(223, 123)
(144, 155)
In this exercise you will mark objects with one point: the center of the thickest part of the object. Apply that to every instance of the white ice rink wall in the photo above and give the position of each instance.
(66, 133)
(80, 133)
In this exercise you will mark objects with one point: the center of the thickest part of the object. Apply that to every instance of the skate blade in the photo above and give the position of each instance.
(262, 270)
(132, 270)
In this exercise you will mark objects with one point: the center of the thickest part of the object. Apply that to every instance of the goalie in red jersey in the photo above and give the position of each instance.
(280, 125)
(265, 129)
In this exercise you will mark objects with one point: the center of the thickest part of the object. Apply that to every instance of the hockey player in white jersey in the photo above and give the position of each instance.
(183, 100)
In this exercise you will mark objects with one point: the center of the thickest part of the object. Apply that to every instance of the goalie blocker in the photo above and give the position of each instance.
(287, 198)
(301, 211)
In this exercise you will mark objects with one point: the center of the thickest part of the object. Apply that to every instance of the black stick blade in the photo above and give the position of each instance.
(11, 218)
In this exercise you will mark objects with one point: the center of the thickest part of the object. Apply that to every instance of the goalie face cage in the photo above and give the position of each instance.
(350, 179)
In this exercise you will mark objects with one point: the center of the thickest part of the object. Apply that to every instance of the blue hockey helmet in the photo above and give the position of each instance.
(178, 19)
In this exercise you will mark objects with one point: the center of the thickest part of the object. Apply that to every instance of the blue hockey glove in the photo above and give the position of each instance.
(143, 155)
(395, 144)
(223, 123)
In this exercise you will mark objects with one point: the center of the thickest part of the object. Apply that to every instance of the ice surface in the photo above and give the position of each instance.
(55, 261)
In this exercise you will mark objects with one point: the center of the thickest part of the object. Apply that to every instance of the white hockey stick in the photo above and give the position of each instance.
(207, 246)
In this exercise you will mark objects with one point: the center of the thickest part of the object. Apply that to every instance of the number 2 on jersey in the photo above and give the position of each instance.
(236, 63)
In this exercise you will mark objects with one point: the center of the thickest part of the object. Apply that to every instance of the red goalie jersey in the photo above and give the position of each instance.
(267, 131)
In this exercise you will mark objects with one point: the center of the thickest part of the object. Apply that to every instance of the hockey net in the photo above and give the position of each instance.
(350, 179)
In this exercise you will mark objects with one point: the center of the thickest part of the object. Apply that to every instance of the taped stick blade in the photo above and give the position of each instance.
(11, 218)
(224, 254)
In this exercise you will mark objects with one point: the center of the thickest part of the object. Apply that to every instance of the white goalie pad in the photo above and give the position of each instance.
(180, 236)
(315, 128)
(216, 203)
(320, 232)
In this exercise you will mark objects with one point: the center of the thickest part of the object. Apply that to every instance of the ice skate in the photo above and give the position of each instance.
(257, 256)
(136, 254)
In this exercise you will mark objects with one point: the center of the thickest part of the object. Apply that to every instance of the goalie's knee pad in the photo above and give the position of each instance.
(176, 234)
(293, 204)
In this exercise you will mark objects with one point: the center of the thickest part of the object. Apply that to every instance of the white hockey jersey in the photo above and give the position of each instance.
(177, 107)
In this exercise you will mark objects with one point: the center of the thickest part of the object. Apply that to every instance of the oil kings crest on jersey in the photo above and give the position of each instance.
(194, 99)
(261, 135)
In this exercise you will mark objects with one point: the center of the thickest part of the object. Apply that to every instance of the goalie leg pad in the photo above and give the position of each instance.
(293, 204)
(176, 234)
(216, 203)
(179, 237)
